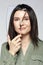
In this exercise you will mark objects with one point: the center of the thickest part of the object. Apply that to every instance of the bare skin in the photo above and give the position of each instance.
(14, 44)
(22, 27)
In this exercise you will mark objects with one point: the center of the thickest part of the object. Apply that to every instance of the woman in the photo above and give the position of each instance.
(23, 46)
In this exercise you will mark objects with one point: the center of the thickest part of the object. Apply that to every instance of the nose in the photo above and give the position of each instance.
(21, 23)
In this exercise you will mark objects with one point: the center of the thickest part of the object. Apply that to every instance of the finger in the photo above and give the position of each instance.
(18, 44)
(18, 47)
(18, 40)
(8, 39)
(17, 37)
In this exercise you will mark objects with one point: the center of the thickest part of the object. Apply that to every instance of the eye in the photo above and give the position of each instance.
(26, 19)
(16, 19)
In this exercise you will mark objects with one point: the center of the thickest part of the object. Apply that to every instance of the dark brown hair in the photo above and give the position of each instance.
(33, 20)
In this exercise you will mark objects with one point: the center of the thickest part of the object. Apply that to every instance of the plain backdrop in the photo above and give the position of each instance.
(6, 7)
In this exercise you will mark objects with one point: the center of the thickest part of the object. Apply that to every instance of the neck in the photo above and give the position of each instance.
(25, 40)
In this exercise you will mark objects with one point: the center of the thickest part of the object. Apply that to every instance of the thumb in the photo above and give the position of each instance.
(8, 39)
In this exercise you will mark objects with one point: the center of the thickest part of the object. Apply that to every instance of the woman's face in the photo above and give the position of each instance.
(22, 22)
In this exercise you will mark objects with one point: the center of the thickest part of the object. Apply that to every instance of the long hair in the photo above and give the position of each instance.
(33, 20)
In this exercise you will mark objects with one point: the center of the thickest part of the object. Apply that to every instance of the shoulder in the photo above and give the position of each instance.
(39, 49)
(4, 48)
(38, 52)
(40, 44)
(6, 57)
(4, 45)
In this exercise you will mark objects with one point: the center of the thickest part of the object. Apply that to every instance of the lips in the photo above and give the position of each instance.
(22, 28)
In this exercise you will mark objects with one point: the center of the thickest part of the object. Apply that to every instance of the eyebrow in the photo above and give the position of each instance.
(16, 17)
(26, 16)
(23, 16)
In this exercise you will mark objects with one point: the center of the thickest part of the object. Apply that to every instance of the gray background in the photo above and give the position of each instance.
(6, 7)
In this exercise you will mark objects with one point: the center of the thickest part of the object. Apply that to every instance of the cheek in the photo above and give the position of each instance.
(28, 24)
(16, 24)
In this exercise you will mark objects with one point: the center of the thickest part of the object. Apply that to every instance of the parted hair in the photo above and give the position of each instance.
(33, 20)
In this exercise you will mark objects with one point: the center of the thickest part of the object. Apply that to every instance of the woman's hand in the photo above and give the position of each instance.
(14, 44)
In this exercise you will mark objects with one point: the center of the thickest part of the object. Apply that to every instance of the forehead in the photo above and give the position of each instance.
(20, 13)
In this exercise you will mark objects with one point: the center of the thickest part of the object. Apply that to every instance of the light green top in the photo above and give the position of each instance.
(33, 56)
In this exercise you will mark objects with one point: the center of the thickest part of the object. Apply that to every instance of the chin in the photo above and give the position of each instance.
(23, 32)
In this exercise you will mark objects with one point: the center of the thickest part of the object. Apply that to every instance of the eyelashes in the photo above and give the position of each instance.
(17, 19)
(26, 19)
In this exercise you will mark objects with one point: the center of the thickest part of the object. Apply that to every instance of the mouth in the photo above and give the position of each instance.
(22, 28)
